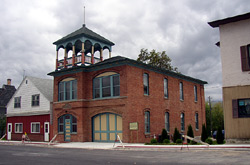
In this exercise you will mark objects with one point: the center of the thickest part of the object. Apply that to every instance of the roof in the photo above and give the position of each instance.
(217, 23)
(118, 61)
(45, 86)
(6, 92)
(84, 31)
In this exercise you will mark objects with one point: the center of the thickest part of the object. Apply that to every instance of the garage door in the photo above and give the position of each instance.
(106, 126)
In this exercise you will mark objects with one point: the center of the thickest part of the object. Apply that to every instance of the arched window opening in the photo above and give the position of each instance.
(67, 89)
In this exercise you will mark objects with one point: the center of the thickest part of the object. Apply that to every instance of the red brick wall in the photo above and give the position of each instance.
(131, 104)
(27, 120)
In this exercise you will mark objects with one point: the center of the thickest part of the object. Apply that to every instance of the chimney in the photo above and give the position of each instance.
(8, 81)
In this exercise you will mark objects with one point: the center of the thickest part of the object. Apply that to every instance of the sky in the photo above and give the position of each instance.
(28, 29)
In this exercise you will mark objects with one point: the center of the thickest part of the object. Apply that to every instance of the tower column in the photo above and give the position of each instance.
(65, 58)
(73, 55)
(109, 54)
(101, 55)
(83, 55)
(92, 55)
(56, 59)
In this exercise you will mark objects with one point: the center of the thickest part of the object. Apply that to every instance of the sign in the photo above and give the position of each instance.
(133, 126)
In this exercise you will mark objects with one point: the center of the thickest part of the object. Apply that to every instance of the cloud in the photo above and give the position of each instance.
(29, 28)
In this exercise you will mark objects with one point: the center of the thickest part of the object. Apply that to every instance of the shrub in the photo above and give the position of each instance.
(177, 135)
(167, 141)
(190, 132)
(219, 136)
(209, 141)
(179, 141)
(193, 142)
(164, 135)
(204, 133)
(153, 141)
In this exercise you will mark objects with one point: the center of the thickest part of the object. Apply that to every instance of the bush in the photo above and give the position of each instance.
(164, 135)
(193, 142)
(177, 135)
(153, 141)
(209, 141)
(219, 136)
(167, 141)
(179, 141)
(204, 133)
(190, 132)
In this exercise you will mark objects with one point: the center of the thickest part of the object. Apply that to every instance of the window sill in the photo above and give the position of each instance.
(196, 129)
(181, 100)
(107, 98)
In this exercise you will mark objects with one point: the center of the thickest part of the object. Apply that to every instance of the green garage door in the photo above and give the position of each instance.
(106, 126)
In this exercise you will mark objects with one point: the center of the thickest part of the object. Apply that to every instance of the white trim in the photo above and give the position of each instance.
(32, 127)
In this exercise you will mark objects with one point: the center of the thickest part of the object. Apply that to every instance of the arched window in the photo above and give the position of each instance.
(67, 89)
(195, 94)
(181, 91)
(73, 123)
(182, 122)
(147, 122)
(165, 88)
(196, 121)
(167, 121)
(106, 85)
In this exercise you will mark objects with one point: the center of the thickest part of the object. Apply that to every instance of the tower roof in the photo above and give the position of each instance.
(83, 32)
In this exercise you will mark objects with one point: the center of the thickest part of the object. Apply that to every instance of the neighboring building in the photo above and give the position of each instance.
(235, 58)
(96, 99)
(29, 110)
(6, 92)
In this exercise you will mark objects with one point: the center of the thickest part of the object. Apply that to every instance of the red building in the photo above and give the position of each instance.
(96, 99)
(29, 110)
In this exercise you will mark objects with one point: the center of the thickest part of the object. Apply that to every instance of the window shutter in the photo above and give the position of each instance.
(244, 58)
(235, 108)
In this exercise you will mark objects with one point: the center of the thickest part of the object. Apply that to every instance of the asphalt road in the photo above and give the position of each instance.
(23, 154)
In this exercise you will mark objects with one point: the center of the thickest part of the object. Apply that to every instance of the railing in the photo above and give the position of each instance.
(78, 60)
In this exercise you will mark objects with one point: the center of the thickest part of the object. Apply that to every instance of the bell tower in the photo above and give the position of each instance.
(82, 42)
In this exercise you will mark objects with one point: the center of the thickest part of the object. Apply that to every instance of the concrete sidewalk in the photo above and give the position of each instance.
(139, 146)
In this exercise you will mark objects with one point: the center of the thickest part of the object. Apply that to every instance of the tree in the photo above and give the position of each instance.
(158, 59)
(177, 135)
(204, 133)
(2, 124)
(219, 136)
(164, 135)
(190, 132)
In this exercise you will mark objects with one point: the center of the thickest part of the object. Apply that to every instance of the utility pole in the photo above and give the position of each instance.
(209, 98)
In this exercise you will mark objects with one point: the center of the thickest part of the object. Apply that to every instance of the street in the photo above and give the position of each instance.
(24, 154)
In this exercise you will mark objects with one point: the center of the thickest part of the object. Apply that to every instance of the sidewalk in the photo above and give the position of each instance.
(127, 146)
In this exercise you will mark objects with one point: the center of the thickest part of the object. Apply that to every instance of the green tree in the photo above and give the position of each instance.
(164, 135)
(204, 135)
(190, 132)
(177, 135)
(2, 124)
(158, 59)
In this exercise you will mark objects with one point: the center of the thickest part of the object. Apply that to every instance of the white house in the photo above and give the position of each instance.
(29, 110)
(235, 58)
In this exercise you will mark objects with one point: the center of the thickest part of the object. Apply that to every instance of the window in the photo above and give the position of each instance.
(195, 94)
(145, 84)
(106, 86)
(196, 121)
(73, 123)
(181, 91)
(182, 122)
(241, 108)
(17, 102)
(35, 100)
(245, 57)
(67, 89)
(147, 122)
(165, 88)
(167, 121)
(35, 127)
(18, 127)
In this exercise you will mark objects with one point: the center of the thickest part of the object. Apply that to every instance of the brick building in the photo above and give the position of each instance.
(94, 100)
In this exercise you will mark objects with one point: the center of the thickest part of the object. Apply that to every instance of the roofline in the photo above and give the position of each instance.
(125, 61)
(236, 18)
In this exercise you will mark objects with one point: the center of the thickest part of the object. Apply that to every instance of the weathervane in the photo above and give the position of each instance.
(84, 15)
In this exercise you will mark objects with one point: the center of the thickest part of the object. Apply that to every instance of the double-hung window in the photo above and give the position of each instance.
(106, 85)
(182, 122)
(35, 127)
(196, 121)
(67, 89)
(147, 122)
(181, 91)
(165, 88)
(35, 100)
(17, 102)
(241, 108)
(18, 127)
(146, 84)
(167, 121)
(195, 94)
(245, 57)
